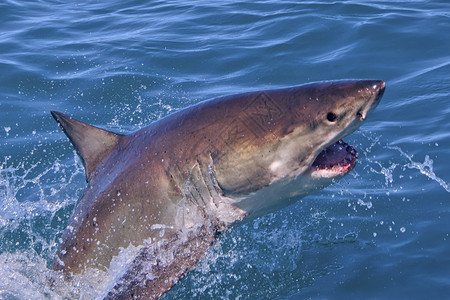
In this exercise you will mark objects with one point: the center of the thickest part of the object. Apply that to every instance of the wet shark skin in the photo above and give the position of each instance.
(172, 186)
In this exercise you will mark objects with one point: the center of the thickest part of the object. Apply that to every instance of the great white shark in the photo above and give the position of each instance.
(170, 188)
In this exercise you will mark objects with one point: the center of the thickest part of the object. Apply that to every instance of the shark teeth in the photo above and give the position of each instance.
(337, 159)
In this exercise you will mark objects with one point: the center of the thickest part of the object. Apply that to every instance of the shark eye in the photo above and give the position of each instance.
(332, 117)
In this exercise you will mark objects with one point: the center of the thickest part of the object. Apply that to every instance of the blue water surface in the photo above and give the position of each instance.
(382, 232)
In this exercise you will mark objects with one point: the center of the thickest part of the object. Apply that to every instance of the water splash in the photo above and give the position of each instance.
(23, 277)
(26, 193)
(425, 168)
(35, 201)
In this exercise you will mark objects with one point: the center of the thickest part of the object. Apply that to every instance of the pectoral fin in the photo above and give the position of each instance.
(157, 268)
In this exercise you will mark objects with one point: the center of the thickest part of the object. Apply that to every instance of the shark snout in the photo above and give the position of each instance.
(376, 88)
(379, 88)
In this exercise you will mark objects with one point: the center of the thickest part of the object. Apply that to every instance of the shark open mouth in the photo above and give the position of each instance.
(337, 159)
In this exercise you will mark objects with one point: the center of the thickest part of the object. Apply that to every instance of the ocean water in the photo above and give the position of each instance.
(382, 232)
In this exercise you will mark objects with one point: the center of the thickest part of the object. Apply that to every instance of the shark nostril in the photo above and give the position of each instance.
(360, 116)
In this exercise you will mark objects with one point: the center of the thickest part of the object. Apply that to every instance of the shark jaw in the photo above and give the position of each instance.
(331, 164)
(336, 160)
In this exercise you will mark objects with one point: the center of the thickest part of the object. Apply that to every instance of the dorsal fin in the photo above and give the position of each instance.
(91, 143)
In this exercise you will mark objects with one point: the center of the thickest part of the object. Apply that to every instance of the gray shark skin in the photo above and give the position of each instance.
(170, 188)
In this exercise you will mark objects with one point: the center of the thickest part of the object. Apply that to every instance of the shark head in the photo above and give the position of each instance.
(301, 149)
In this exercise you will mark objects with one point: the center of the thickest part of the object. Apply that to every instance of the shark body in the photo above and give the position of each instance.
(170, 188)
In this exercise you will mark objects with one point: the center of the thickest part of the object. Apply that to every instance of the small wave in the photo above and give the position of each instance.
(423, 71)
